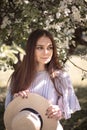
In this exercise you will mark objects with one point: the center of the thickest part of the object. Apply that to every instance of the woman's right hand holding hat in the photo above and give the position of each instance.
(23, 94)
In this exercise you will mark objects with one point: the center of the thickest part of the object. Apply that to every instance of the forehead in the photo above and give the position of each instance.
(44, 41)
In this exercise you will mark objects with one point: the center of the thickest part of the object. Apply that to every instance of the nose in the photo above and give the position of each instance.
(45, 51)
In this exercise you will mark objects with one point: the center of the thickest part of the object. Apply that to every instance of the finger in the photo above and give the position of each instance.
(56, 115)
(23, 94)
(53, 107)
(15, 95)
(52, 115)
(27, 91)
(51, 112)
(50, 108)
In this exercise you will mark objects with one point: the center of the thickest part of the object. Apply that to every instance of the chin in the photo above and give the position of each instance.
(46, 62)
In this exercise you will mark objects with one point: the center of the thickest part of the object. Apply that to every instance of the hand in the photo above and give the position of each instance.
(54, 112)
(23, 94)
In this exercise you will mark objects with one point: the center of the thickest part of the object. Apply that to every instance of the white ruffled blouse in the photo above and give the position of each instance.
(43, 86)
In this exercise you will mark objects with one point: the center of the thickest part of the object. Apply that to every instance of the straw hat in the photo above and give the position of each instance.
(28, 114)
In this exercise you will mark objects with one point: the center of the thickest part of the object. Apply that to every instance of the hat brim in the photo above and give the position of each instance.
(35, 101)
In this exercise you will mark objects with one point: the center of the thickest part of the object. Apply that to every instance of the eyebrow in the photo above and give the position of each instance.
(43, 45)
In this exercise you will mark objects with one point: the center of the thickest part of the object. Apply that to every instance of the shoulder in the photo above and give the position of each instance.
(63, 73)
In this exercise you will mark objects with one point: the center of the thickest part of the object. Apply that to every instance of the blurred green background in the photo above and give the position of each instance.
(67, 21)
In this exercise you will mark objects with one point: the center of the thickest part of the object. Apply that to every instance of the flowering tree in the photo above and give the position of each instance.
(66, 19)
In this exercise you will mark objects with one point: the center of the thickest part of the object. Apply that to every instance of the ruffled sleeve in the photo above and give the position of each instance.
(68, 102)
(9, 97)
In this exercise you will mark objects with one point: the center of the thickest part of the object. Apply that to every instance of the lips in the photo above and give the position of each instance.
(45, 58)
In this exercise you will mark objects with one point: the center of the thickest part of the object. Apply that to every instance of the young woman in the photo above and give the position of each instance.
(40, 72)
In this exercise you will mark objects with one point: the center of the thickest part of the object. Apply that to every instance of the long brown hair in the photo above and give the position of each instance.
(25, 73)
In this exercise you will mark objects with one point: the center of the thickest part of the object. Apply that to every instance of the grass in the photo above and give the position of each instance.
(79, 119)
(2, 99)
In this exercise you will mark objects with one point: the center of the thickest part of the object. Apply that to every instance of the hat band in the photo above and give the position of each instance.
(35, 112)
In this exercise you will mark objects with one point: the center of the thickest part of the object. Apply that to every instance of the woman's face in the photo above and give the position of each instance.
(43, 50)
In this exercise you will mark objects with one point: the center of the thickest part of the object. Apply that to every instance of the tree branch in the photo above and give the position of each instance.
(77, 66)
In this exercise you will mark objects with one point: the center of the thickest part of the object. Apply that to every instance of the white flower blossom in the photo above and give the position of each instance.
(66, 11)
(69, 1)
(76, 14)
(70, 31)
(45, 12)
(58, 15)
(55, 26)
(2, 55)
(34, 20)
(11, 14)
(26, 1)
(5, 22)
(84, 36)
(86, 17)
(47, 22)
(50, 18)
(58, 28)
(18, 21)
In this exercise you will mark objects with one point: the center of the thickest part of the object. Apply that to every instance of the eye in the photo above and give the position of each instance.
(50, 48)
(39, 47)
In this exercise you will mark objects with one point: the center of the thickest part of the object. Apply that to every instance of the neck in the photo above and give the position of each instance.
(41, 68)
